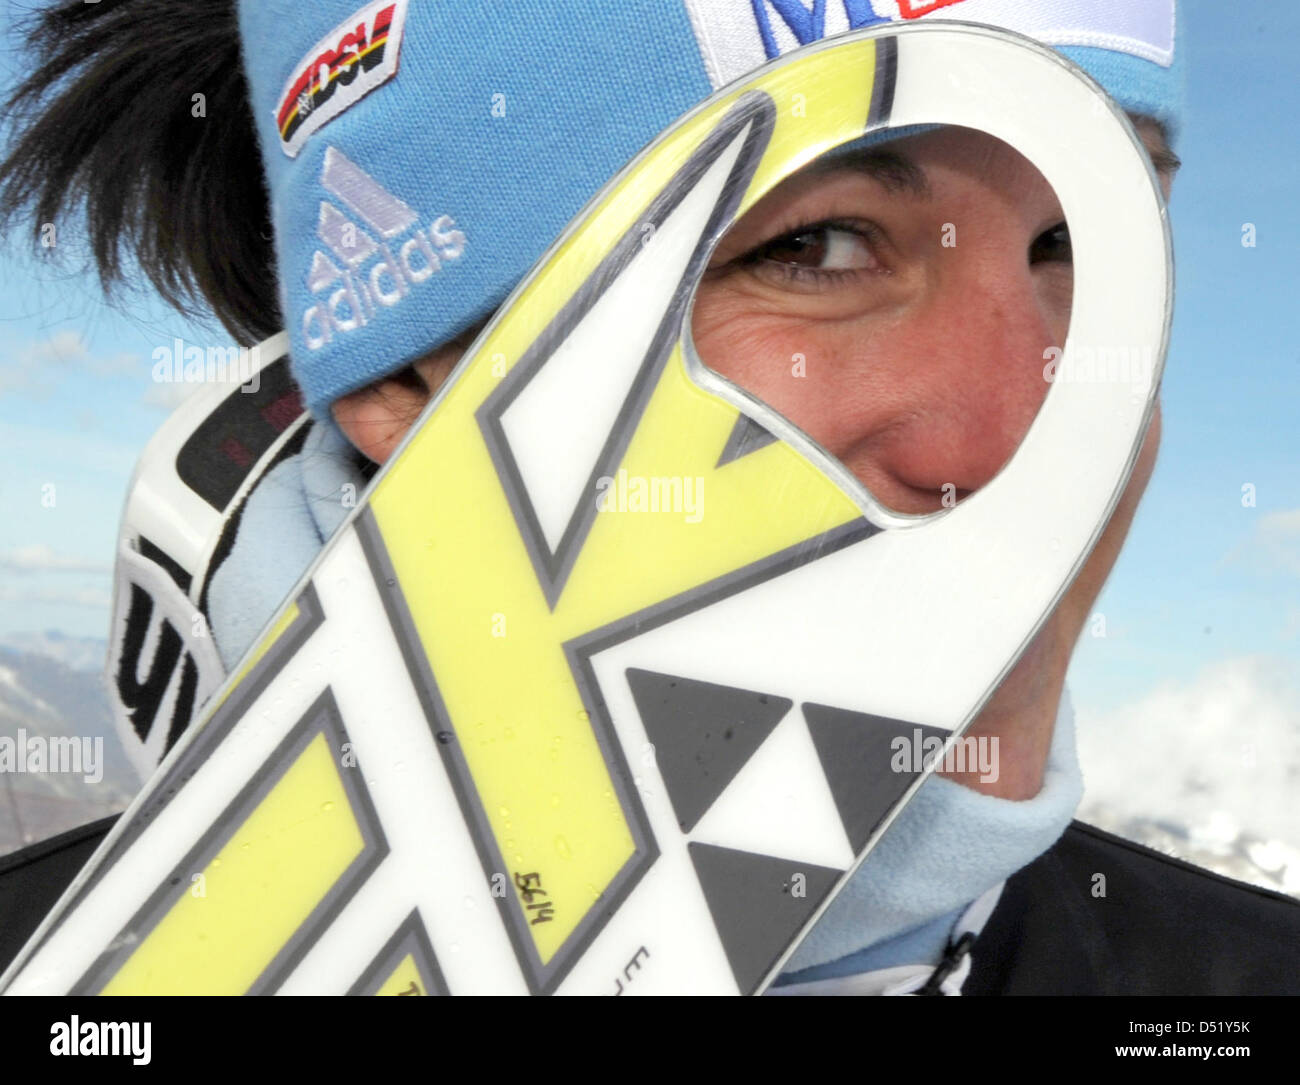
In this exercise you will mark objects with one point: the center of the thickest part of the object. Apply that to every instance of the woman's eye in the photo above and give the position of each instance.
(1052, 246)
(823, 248)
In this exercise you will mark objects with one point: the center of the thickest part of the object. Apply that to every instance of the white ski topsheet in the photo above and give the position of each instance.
(657, 770)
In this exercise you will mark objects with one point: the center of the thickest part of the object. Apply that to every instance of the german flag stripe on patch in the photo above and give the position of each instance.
(367, 59)
(357, 56)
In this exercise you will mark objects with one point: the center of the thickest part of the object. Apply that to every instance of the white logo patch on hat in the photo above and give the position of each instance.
(372, 265)
(348, 63)
(734, 38)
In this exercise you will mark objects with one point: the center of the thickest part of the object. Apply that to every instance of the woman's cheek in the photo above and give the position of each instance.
(748, 349)
(783, 361)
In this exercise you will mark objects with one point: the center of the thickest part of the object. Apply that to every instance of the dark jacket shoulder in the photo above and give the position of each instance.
(1097, 914)
(33, 879)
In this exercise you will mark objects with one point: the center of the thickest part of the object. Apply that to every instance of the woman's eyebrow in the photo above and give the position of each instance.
(1164, 160)
(1156, 141)
(895, 172)
(898, 173)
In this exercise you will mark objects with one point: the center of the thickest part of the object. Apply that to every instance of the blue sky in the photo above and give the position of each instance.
(1203, 579)
(77, 406)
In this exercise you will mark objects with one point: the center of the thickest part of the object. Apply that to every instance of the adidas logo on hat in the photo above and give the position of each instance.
(369, 270)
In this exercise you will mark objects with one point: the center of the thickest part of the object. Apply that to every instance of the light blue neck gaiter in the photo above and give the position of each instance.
(948, 846)
(284, 525)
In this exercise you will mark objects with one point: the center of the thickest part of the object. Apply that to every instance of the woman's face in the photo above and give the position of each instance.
(896, 305)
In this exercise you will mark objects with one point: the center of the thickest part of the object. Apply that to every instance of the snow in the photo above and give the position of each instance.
(1208, 767)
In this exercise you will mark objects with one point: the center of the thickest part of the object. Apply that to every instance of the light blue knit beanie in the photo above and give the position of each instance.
(422, 155)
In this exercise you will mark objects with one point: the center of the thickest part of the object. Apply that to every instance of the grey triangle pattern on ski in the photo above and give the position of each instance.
(702, 733)
(759, 903)
(856, 751)
(746, 436)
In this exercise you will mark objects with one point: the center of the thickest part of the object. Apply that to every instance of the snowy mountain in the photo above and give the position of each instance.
(1207, 769)
(75, 653)
(1220, 845)
(44, 704)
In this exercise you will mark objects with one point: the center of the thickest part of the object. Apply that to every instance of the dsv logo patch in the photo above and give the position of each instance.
(348, 63)
(371, 267)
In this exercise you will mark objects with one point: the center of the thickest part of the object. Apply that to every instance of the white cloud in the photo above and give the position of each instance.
(40, 558)
(1291, 629)
(1273, 545)
(95, 598)
(1279, 538)
(67, 347)
(16, 377)
(168, 396)
(36, 367)
(1224, 747)
(116, 365)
